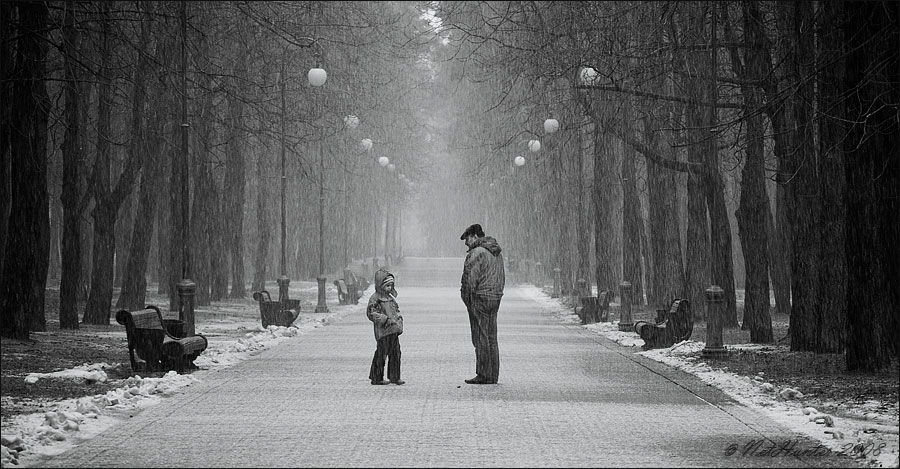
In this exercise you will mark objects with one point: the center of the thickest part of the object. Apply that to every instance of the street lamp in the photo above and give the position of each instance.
(283, 280)
(551, 125)
(520, 161)
(317, 77)
(534, 145)
(351, 122)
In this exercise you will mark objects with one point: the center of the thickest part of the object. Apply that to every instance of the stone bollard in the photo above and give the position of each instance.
(580, 291)
(581, 287)
(283, 283)
(538, 279)
(321, 307)
(186, 290)
(556, 271)
(715, 301)
(625, 321)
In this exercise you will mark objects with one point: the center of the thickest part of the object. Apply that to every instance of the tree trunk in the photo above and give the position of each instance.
(97, 310)
(873, 183)
(665, 241)
(109, 199)
(600, 197)
(583, 239)
(832, 311)
(799, 167)
(632, 270)
(754, 204)
(24, 281)
(699, 133)
(264, 227)
(233, 200)
(71, 196)
(134, 283)
(6, 95)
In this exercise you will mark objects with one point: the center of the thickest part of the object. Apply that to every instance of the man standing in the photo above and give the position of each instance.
(483, 280)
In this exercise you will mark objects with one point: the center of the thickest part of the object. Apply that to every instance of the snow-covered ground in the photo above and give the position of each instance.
(234, 334)
(872, 437)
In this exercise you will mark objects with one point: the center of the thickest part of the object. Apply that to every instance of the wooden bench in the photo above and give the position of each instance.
(677, 325)
(349, 288)
(594, 309)
(277, 313)
(153, 343)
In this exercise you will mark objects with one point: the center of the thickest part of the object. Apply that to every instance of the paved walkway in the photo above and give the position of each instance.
(566, 397)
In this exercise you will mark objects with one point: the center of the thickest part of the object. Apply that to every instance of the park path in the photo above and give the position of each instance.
(566, 397)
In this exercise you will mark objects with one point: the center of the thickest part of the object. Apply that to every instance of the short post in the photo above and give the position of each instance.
(283, 283)
(321, 307)
(625, 322)
(580, 291)
(186, 290)
(365, 270)
(347, 274)
(556, 271)
(581, 287)
(715, 300)
(538, 278)
(374, 265)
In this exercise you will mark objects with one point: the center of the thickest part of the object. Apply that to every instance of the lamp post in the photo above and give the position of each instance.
(317, 77)
(283, 280)
(186, 288)
(352, 122)
(385, 162)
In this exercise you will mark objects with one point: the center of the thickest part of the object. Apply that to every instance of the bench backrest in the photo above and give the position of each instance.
(143, 319)
(603, 299)
(680, 320)
(262, 296)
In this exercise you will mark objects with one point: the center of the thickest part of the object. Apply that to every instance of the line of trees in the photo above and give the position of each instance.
(689, 129)
(106, 104)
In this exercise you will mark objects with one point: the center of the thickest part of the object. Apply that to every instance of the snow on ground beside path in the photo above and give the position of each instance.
(27, 439)
(872, 438)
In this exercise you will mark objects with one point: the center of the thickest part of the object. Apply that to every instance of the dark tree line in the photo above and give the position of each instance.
(750, 145)
(792, 103)
(119, 114)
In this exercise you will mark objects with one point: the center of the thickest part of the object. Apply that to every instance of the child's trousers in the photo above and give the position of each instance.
(389, 347)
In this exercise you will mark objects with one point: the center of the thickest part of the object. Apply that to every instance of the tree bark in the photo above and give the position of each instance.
(71, 196)
(600, 197)
(833, 309)
(234, 188)
(134, 284)
(25, 261)
(108, 199)
(632, 224)
(754, 204)
(873, 183)
(699, 135)
(665, 241)
(264, 227)
(800, 172)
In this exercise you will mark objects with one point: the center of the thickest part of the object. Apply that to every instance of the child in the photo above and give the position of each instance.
(385, 313)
